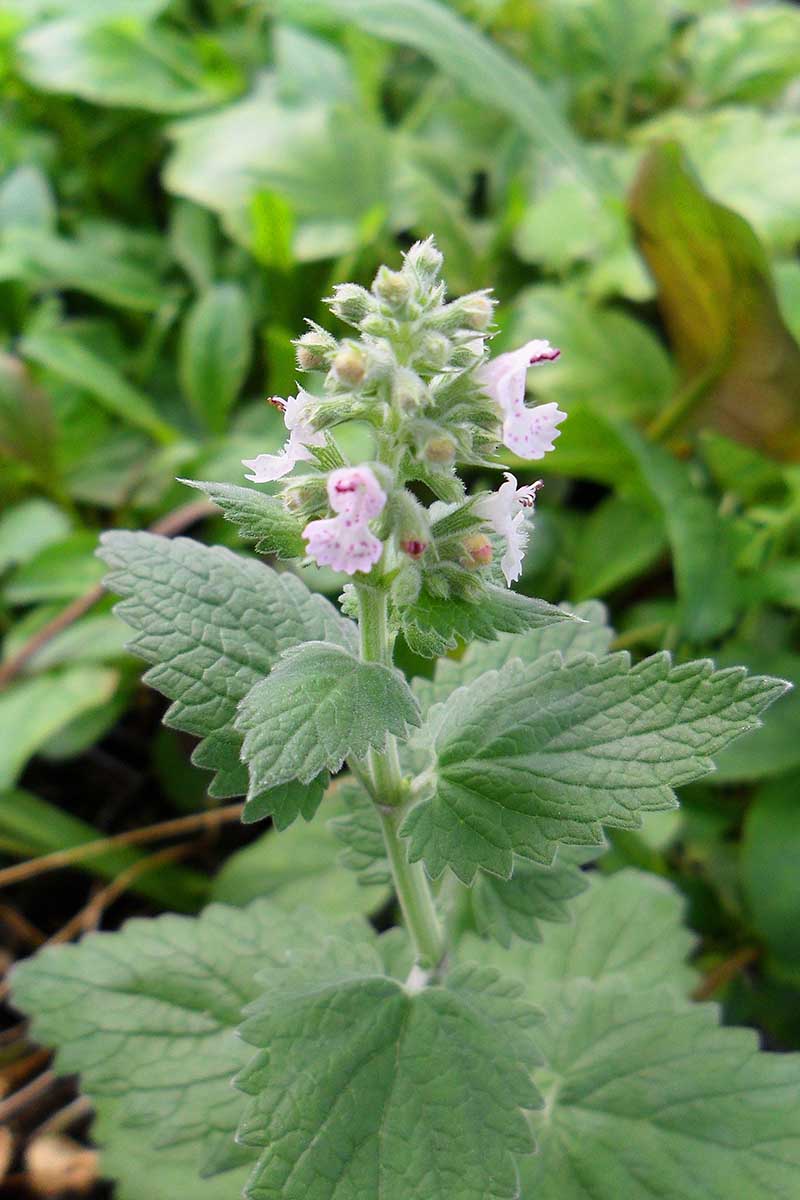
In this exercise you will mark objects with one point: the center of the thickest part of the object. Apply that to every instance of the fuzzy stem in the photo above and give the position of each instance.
(410, 881)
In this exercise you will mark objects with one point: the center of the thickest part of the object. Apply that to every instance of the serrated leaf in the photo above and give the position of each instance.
(318, 705)
(626, 928)
(362, 1088)
(645, 1101)
(589, 635)
(530, 756)
(214, 624)
(433, 625)
(358, 829)
(259, 518)
(508, 908)
(286, 802)
(147, 1016)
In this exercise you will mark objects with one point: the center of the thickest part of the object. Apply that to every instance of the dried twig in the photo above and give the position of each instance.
(170, 525)
(725, 972)
(149, 833)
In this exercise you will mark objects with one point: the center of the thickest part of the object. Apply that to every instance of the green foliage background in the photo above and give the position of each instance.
(180, 181)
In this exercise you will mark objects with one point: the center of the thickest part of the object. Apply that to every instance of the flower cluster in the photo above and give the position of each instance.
(419, 374)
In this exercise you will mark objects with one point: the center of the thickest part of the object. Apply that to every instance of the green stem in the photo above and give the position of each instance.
(410, 881)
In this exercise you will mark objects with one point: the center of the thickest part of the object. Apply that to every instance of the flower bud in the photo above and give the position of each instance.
(393, 287)
(306, 495)
(349, 366)
(476, 310)
(433, 353)
(413, 547)
(314, 349)
(425, 261)
(468, 354)
(477, 550)
(440, 450)
(378, 325)
(408, 390)
(351, 303)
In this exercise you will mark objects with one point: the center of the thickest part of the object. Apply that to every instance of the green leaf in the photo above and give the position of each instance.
(34, 710)
(98, 11)
(320, 704)
(505, 908)
(27, 427)
(358, 829)
(433, 625)
(590, 634)
(28, 527)
(215, 352)
(608, 360)
(363, 1087)
(286, 801)
(619, 541)
(644, 1098)
(147, 1016)
(26, 200)
(46, 261)
(769, 856)
(702, 549)
(775, 748)
(481, 68)
(626, 929)
(214, 624)
(301, 866)
(69, 359)
(259, 518)
(61, 570)
(125, 63)
(530, 756)
(745, 55)
(192, 241)
(717, 296)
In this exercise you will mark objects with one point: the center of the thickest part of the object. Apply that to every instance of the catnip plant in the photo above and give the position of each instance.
(525, 1028)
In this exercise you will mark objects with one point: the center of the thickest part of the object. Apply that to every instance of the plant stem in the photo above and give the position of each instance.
(410, 881)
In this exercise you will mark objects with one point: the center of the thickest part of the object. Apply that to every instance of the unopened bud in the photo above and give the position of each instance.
(306, 495)
(440, 450)
(408, 390)
(478, 550)
(425, 260)
(468, 354)
(393, 287)
(378, 325)
(434, 352)
(476, 309)
(314, 349)
(413, 547)
(351, 303)
(349, 366)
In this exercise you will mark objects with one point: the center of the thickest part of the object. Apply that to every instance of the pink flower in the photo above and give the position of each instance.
(345, 542)
(506, 510)
(528, 432)
(268, 467)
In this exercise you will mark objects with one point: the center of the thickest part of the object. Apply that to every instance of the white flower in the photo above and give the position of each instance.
(527, 432)
(268, 467)
(506, 511)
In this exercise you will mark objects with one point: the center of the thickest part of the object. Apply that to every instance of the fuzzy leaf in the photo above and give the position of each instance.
(507, 908)
(214, 624)
(358, 829)
(363, 1089)
(319, 705)
(433, 625)
(147, 1017)
(530, 756)
(588, 635)
(259, 518)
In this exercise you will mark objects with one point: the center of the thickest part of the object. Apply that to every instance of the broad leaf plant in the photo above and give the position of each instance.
(525, 1028)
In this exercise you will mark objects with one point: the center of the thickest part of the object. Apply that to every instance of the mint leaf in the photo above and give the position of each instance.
(625, 928)
(147, 1017)
(286, 802)
(532, 755)
(645, 1101)
(433, 625)
(319, 705)
(505, 908)
(590, 634)
(258, 517)
(214, 624)
(364, 1088)
(358, 829)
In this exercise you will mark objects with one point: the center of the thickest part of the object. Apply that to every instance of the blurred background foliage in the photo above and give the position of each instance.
(181, 181)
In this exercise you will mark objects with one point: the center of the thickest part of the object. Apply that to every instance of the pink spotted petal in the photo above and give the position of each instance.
(356, 491)
(342, 544)
(504, 377)
(530, 432)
